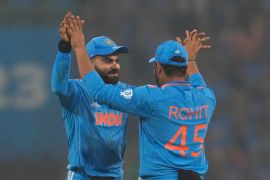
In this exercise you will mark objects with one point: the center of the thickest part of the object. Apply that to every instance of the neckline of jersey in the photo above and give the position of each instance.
(177, 83)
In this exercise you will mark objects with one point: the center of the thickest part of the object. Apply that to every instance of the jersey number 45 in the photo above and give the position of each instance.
(182, 148)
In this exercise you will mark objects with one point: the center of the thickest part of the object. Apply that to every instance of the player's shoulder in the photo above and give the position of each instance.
(206, 92)
(151, 90)
(123, 85)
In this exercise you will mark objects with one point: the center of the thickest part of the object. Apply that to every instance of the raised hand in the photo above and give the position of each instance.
(194, 43)
(74, 31)
(63, 28)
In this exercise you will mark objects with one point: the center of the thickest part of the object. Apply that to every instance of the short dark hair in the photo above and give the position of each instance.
(171, 70)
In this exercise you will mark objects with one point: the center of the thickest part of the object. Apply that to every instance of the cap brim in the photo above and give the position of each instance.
(152, 60)
(120, 49)
(106, 52)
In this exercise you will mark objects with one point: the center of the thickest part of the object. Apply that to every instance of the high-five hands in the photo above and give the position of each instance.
(71, 31)
(63, 28)
(194, 42)
(74, 31)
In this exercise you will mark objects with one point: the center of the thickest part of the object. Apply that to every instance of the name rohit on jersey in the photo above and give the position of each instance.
(184, 113)
(108, 119)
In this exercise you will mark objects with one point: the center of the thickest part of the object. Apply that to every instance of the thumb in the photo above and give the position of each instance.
(82, 22)
(178, 40)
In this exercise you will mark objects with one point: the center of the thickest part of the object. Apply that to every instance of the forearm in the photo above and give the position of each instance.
(83, 62)
(194, 75)
(60, 73)
(192, 68)
(61, 68)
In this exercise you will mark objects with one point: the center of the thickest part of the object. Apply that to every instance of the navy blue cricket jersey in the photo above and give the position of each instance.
(96, 134)
(173, 122)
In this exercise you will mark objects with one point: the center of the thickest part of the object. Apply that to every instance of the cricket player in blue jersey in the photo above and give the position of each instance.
(174, 116)
(96, 133)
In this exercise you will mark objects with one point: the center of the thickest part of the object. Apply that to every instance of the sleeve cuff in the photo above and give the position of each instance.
(64, 56)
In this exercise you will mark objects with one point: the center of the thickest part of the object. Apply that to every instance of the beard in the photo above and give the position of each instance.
(105, 76)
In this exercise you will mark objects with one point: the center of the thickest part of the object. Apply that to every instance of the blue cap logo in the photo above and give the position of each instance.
(166, 51)
(103, 46)
(109, 42)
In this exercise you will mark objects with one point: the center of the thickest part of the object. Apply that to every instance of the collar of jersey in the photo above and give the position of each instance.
(176, 83)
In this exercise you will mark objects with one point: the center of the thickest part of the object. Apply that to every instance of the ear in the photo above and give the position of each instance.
(94, 60)
(159, 68)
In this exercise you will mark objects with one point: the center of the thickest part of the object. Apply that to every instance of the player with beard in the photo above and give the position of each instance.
(96, 134)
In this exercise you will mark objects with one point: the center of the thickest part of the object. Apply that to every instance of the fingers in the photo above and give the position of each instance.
(195, 37)
(205, 46)
(78, 23)
(62, 24)
(74, 22)
(201, 35)
(204, 39)
(66, 18)
(82, 23)
(178, 40)
(71, 23)
(187, 35)
(69, 31)
(193, 32)
(191, 35)
(62, 30)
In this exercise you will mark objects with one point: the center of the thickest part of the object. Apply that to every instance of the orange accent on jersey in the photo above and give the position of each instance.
(108, 119)
(173, 112)
(151, 86)
(111, 119)
(119, 123)
(194, 112)
(196, 154)
(197, 128)
(103, 118)
(198, 139)
(184, 113)
(181, 113)
(97, 119)
(182, 148)
(206, 108)
(166, 85)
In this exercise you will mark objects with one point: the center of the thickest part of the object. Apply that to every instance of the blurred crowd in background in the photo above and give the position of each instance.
(237, 67)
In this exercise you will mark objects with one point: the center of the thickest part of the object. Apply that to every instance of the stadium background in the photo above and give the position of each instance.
(32, 138)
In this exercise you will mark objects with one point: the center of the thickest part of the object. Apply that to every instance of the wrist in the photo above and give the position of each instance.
(64, 46)
(80, 51)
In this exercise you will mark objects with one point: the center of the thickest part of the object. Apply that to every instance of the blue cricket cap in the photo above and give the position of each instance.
(103, 46)
(166, 51)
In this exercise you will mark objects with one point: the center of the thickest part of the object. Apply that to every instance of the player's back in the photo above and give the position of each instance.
(173, 137)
